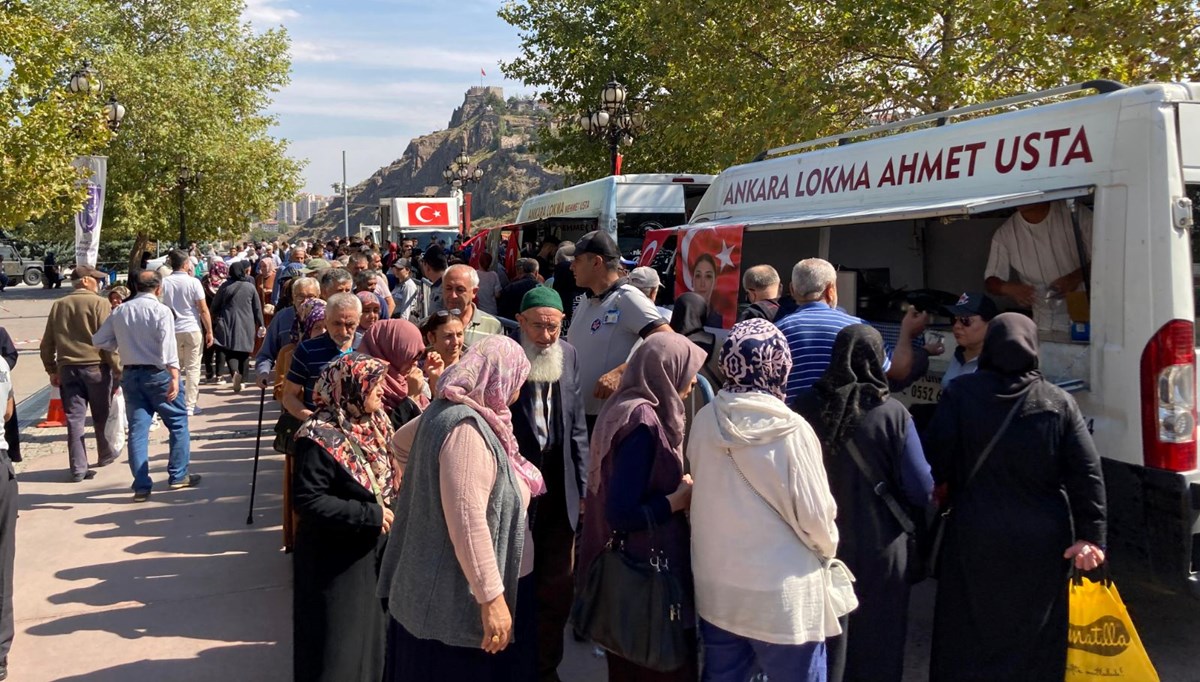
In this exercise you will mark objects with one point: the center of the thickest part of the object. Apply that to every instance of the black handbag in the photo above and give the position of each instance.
(285, 433)
(943, 519)
(634, 609)
(915, 570)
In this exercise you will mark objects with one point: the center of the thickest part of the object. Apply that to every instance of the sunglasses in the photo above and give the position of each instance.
(966, 321)
(447, 313)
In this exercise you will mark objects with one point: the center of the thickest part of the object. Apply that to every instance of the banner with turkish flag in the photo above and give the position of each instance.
(425, 212)
(708, 262)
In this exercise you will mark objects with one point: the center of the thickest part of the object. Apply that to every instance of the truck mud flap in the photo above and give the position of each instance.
(1153, 525)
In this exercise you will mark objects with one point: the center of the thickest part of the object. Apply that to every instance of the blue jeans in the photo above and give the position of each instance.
(733, 658)
(146, 393)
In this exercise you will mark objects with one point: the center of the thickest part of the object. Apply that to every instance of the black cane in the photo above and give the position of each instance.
(262, 401)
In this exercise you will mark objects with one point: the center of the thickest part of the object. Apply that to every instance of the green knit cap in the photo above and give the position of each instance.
(541, 297)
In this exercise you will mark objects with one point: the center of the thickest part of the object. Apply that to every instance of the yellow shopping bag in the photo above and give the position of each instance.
(1102, 644)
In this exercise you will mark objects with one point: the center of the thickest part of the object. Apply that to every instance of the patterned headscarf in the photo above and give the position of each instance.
(369, 298)
(218, 270)
(398, 343)
(755, 357)
(484, 379)
(310, 313)
(340, 421)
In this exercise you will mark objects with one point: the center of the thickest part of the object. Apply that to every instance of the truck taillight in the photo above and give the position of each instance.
(1169, 398)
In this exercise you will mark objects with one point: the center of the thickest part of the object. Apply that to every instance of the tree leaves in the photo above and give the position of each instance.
(728, 79)
(195, 81)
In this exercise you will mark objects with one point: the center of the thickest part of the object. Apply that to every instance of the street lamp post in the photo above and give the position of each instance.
(187, 178)
(616, 121)
(459, 174)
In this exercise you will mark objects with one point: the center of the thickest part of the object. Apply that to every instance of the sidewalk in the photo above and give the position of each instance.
(178, 588)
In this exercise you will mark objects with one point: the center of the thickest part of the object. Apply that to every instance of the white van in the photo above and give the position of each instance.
(913, 205)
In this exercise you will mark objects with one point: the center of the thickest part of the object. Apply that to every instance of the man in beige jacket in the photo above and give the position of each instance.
(83, 374)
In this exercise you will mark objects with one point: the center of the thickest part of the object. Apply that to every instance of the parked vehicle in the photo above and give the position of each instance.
(913, 205)
(20, 269)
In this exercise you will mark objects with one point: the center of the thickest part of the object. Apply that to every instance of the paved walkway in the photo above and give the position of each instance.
(178, 588)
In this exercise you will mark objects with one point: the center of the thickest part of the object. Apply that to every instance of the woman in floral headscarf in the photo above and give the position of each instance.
(343, 486)
(457, 575)
(760, 587)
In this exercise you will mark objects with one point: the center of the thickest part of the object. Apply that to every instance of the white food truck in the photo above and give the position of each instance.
(913, 205)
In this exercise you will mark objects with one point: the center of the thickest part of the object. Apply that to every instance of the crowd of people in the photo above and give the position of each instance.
(454, 487)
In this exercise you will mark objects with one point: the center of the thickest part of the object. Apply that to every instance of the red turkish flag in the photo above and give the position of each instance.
(421, 214)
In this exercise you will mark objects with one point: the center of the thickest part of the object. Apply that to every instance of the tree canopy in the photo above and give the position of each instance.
(726, 80)
(195, 81)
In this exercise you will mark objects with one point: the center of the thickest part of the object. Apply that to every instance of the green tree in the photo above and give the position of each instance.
(725, 80)
(195, 80)
(43, 127)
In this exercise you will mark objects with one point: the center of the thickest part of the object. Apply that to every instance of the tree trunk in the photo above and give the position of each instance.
(135, 257)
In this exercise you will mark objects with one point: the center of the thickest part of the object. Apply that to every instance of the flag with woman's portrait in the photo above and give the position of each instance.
(708, 262)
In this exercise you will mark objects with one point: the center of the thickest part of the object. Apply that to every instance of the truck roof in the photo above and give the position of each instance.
(589, 199)
(1017, 156)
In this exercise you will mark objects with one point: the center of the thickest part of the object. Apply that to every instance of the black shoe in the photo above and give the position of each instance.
(191, 481)
(141, 497)
(85, 476)
(4, 670)
(106, 462)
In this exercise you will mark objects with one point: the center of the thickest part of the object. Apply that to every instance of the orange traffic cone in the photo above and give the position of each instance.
(55, 416)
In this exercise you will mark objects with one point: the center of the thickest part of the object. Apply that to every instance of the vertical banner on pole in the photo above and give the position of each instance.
(87, 220)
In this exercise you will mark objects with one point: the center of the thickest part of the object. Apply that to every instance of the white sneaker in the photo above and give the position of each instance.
(237, 382)
(155, 422)
(220, 381)
(193, 411)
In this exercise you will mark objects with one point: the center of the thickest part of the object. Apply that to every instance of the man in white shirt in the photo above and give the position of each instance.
(405, 293)
(144, 332)
(1038, 244)
(182, 293)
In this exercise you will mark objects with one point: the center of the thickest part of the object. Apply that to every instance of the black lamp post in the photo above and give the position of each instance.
(459, 174)
(615, 122)
(187, 178)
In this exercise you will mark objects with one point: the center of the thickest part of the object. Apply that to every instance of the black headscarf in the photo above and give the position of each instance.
(237, 271)
(853, 384)
(1010, 349)
(689, 313)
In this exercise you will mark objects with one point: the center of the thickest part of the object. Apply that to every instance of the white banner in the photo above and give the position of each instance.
(87, 221)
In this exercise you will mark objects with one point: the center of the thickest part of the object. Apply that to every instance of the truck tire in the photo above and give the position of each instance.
(33, 277)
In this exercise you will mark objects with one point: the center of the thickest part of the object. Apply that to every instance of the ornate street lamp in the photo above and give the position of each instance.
(186, 179)
(459, 174)
(114, 113)
(616, 121)
(86, 80)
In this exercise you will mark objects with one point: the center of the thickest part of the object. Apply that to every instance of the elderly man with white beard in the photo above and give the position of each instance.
(549, 424)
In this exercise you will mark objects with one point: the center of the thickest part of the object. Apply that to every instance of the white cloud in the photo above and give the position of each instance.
(384, 55)
(419, 105)
(268, 12)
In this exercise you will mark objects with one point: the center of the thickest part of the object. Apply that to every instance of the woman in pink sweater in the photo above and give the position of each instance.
(463, 609)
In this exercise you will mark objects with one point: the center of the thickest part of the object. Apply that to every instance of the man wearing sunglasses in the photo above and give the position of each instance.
(971, 316)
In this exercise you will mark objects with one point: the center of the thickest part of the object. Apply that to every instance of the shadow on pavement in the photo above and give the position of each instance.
(231, 663)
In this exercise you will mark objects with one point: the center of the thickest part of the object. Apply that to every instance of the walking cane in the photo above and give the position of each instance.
(262, 401)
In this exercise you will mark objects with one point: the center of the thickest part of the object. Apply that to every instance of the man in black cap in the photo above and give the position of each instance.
(971, 315)
(608, 322)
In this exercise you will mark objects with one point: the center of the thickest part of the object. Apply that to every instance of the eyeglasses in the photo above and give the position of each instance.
(548, 328)
(447, 313)
(966, 321)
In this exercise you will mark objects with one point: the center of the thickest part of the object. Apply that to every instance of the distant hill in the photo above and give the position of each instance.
(498, 134)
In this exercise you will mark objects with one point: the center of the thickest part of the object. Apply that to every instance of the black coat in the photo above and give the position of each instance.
(567, 474)
(1001, 611)
(237, 315)
(339, 625)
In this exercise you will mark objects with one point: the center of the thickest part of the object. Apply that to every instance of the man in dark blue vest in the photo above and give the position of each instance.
(549, 424)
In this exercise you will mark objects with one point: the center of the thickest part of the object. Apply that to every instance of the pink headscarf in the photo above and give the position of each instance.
(485, 379)
(648, 394)
(398, 343)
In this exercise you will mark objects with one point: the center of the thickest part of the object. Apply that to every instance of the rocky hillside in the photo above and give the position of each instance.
(497, 134)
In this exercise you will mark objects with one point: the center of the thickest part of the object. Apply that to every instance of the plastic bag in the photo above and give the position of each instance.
(116, 428)
(1102, 644)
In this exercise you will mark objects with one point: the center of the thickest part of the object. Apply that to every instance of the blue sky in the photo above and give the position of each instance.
(370, 75)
